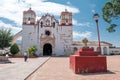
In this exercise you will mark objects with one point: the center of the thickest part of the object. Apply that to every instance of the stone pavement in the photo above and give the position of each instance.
(18, 69)
(57, 68)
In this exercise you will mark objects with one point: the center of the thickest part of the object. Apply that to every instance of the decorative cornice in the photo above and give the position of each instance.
(63, 24)
(28, 24)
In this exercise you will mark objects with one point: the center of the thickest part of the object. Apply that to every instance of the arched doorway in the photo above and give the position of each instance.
(98, 50)
(47, 49)
(105, 50)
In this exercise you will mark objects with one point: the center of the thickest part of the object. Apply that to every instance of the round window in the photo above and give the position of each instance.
(47, 33)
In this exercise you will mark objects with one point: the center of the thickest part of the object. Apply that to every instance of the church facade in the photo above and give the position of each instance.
(52, 37)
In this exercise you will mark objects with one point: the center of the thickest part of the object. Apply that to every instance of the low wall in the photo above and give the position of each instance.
(3, 58)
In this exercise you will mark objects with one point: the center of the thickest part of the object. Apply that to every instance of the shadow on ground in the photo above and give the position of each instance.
(108, 72)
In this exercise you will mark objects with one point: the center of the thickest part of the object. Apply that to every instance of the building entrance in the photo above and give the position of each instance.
(47, 49)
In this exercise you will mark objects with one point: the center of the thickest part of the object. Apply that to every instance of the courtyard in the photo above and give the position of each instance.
(54, 68)
(57, 68)
(18, 69)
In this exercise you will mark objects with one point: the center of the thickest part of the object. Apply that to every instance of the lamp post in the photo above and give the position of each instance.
(96, 16)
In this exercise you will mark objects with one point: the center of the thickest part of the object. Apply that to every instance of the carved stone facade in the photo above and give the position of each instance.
(49, 35)
(47, 40)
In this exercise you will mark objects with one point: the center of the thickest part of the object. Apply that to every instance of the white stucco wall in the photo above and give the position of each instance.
(115, 50)
(29, 37)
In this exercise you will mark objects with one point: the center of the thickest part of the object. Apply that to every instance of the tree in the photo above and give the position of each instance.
(111, 13)
(14, 49)
(5, 38)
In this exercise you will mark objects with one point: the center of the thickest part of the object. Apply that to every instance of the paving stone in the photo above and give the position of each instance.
(57, 68)
(18, 69)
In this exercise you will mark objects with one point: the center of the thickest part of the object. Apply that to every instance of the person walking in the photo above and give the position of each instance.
(25, 56)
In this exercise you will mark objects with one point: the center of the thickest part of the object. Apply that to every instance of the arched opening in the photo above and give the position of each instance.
(98, 50)
(47, 49)
(75, 49)
(105, 50)
(92, 48)
(47, 33)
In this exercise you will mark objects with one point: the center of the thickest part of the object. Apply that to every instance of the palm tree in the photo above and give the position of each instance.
(5, 38)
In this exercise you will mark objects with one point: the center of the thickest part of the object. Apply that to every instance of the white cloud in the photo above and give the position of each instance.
(81, 35)
(14, 9)
(85, 24)
(53, 8)
(14, 30)
(69, 3)
(92, 7)
(93, 11)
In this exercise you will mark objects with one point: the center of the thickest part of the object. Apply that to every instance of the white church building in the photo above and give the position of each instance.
(52, 37)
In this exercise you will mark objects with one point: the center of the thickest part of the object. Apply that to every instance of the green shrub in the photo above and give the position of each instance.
(18, 54)
(14, 49)
(32, 54)
(32, 50)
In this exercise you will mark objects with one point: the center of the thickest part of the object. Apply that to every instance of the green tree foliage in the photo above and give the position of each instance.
(5, 38)
(14, 49)
(32, 50)
(111, 12)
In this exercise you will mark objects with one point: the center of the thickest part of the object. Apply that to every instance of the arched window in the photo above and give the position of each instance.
(28, 21)
(47, 32)
(66, 20)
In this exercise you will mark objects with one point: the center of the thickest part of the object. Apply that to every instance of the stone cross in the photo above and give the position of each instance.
(85, 41)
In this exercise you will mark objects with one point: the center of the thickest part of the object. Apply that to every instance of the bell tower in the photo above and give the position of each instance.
(29, 17)
(29, 29)
(66, 18)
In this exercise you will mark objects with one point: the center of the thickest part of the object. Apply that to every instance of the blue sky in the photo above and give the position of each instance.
(83, 22)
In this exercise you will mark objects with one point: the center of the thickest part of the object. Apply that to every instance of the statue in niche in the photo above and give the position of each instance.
(41, 24)
(53, 24)
(48, 22)
(85, 41)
